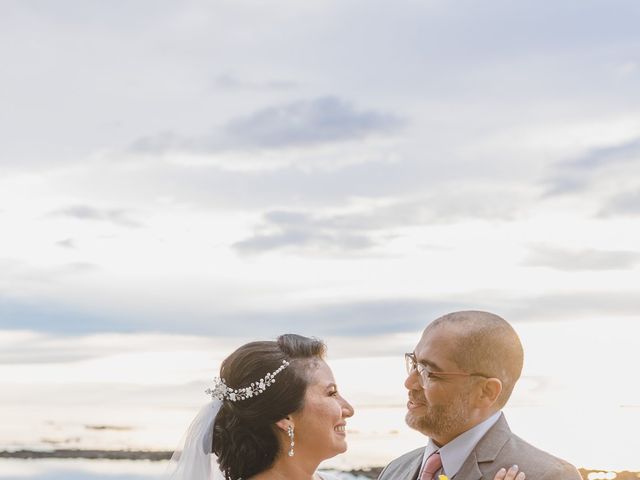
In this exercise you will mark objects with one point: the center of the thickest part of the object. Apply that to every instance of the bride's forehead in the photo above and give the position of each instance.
(320, 374)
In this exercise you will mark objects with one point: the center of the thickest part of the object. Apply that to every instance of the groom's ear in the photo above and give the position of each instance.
(491, 389)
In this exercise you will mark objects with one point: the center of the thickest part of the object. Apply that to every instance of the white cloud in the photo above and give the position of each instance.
(625, 204)
(581, 260)
(87, 212)
(297, 124)
(416, 158)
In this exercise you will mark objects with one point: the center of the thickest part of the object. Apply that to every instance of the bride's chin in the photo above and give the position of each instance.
(340, 448)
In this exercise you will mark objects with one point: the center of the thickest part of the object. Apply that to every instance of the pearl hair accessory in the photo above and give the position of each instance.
(222, 392)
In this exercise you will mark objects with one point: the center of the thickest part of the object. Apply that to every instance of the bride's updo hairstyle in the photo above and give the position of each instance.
(245, 437)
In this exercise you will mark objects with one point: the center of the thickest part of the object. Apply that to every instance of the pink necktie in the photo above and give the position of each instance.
(431, 466)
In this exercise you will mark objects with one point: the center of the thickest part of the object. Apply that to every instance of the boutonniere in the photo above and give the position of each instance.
(443, 477)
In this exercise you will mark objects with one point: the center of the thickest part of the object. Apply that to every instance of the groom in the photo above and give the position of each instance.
(461, 375)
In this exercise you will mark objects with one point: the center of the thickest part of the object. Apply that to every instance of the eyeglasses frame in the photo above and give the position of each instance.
(420, 368)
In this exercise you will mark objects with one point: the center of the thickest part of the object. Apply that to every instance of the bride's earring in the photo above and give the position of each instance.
(290, 432)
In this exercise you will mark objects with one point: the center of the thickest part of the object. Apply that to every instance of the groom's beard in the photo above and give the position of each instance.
(441, 420)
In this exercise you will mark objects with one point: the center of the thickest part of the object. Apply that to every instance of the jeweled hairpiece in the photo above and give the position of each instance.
(222, 392)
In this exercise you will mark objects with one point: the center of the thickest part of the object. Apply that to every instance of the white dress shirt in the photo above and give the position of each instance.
(454, 453)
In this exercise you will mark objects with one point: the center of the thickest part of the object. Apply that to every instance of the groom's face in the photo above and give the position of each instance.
(439, 407)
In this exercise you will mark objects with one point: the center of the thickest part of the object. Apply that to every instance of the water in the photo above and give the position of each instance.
(79, 469)
(97, 470)
(588, 435)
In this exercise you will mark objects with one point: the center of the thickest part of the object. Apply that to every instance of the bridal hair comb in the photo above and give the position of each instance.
(222, 392)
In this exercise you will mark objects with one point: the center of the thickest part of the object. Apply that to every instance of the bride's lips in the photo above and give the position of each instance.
(341, 429)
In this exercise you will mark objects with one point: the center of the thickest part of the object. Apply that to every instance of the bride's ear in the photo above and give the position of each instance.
(284, 423)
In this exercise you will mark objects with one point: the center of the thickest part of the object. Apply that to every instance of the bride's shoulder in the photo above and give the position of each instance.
(327, 476)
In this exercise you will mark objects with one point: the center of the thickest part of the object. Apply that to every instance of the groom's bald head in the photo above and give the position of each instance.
(484, 343)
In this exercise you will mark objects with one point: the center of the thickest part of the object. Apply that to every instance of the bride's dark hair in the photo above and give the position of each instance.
(244, 432)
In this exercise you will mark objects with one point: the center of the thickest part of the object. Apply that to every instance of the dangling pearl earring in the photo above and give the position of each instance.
(290, 432)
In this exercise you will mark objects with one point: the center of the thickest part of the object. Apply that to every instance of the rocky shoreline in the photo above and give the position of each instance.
(155, 456)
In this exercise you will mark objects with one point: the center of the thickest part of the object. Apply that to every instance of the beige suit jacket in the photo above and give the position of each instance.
(498, 448)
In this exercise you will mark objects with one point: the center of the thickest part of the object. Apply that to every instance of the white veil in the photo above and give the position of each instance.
(193, 459)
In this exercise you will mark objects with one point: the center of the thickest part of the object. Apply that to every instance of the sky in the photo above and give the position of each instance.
(230, 170)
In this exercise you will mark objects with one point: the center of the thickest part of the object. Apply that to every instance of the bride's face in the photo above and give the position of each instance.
(320, 427)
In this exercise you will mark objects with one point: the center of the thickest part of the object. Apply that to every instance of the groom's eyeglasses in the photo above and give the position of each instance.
(425, 374)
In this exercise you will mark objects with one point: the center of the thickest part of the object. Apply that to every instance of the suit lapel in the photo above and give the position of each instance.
(486, 450)
(490, 445)
(469, 470)
(413, 467)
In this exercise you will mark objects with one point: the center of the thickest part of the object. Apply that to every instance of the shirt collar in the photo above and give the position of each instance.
(454, 453)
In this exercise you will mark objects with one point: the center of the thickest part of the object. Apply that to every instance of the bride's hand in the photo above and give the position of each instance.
(511, 474)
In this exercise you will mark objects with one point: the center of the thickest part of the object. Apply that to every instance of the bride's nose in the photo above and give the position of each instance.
(347, 409)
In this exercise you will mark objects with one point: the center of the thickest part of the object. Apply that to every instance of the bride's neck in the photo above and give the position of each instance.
(290, 468)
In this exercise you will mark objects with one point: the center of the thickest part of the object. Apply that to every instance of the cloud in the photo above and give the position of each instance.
(325, 119)
(573, 306)
(622, 204)
(352, 318)
(230, 82)
(327, 243)
(47, 316)
(21, 276)
(459, 89)
(299, 123)
(433, 53)
(365, 229)
(579, 260)
(346, 319)
(302, 230)
(220, 187)
(577, 174)
(21, 346)
(85, 212)
(605, 156)
(66, 243)
(29, 347)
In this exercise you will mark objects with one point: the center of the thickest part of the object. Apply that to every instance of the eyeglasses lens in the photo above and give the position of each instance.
(412, 366)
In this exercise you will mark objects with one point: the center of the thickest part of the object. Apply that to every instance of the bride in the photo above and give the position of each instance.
(276, 413)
